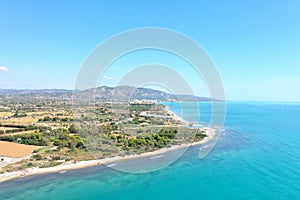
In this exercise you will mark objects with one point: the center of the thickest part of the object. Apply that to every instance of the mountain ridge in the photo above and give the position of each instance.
(103, 93)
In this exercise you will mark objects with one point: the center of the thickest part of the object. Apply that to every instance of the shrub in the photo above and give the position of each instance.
(37, 157)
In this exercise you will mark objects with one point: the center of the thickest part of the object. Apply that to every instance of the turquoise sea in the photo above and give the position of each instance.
(257, 157)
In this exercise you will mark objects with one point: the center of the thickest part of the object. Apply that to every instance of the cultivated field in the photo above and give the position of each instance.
(9, 149)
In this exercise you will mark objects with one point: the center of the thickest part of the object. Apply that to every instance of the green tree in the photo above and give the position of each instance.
(73, 129)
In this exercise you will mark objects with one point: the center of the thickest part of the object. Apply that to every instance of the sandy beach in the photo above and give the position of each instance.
(178, 118)
(83, 164)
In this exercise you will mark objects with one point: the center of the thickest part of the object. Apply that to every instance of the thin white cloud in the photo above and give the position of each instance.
(108, 77)
(3, 69)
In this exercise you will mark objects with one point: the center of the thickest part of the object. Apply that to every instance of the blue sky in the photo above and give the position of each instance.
(254, 44)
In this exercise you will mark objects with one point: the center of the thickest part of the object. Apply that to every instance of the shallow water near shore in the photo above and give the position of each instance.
(257, 157)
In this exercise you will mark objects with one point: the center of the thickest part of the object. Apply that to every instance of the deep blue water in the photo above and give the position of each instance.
(257, 157)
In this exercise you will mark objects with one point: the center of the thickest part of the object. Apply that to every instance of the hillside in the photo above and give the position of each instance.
(101, 93)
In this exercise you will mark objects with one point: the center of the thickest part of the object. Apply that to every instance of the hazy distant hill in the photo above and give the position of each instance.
(102, 93)
(41, 93)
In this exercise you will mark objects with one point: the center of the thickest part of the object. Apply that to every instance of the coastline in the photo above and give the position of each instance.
(178, 118)
(210, 132)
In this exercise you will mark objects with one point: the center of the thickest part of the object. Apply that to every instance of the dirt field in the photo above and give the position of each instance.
(18, 133)
(5, 114)
(7, 128)
(21, 121)
(9, 149)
